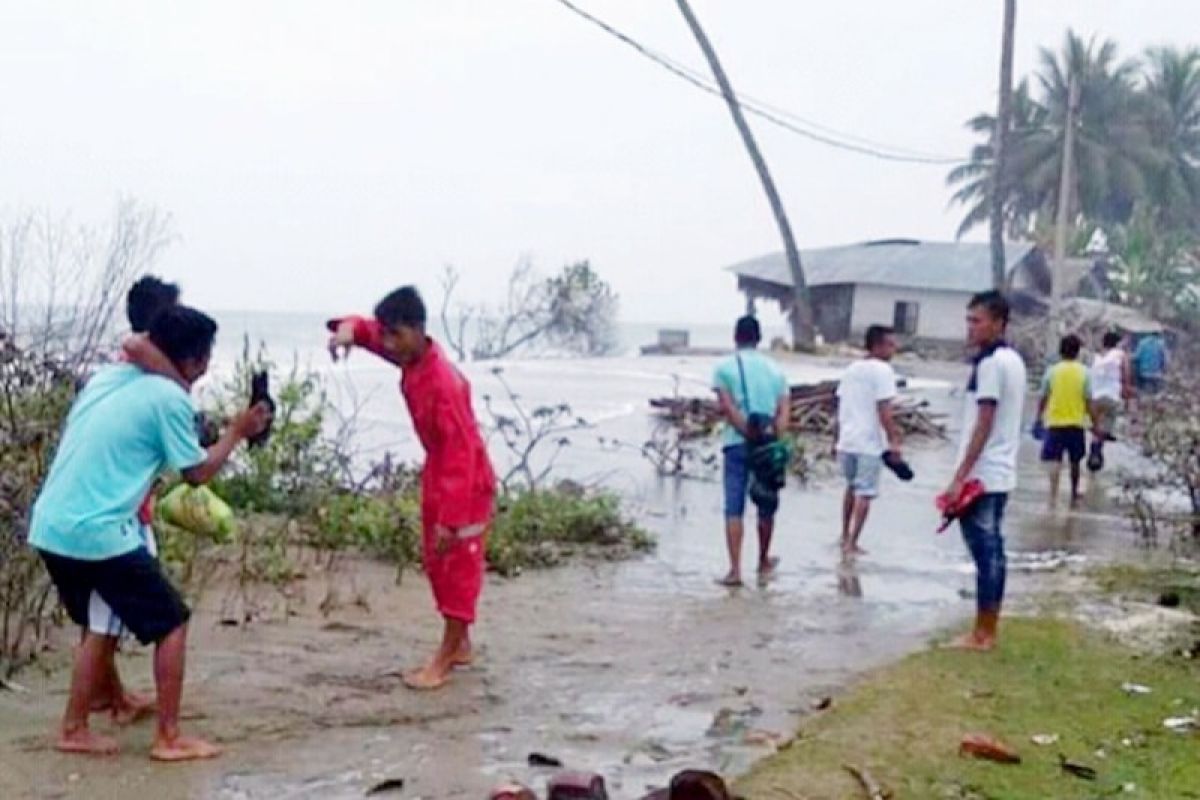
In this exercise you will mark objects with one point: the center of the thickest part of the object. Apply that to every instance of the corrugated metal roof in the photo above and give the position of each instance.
(949, 266)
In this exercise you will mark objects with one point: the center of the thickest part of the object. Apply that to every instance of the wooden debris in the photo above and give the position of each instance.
(873, 788)
(813, 412)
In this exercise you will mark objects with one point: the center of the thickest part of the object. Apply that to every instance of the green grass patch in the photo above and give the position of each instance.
(904, 724)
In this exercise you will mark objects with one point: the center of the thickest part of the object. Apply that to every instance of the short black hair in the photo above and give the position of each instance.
(402, 307)
(182, 333)
(994, 302)
(1112, 339)
(148, 296)
(1070, 346)
(747, 331)
(876, 334)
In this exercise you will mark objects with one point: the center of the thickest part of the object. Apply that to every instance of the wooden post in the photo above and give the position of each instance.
(803, 331)
(1000, 143)
(1065, 186)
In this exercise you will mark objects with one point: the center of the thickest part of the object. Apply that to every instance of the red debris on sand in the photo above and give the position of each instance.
(980, 745)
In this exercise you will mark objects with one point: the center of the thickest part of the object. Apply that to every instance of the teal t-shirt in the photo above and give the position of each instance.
(125, 428)
(765, 384)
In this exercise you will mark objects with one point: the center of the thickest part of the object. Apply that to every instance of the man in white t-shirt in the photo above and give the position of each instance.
(1112, 386)
(991, 439)
(865, 430)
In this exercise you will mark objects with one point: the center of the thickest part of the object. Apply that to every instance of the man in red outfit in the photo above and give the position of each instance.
(458, 486)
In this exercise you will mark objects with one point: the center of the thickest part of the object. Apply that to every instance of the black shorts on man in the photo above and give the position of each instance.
(132, 584)
(1059, 441)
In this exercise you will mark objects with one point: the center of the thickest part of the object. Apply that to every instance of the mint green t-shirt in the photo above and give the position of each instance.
(125, 428)
(765, 384)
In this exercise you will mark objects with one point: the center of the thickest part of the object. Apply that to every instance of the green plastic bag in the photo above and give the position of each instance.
(198, 510)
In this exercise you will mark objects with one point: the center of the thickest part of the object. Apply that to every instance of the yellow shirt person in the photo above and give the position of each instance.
(1064, 410)
(1067, 387)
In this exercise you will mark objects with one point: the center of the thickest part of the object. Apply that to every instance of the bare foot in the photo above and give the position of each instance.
(427, 678)
(86, 743)
(133, 708)
(465, 657)
(768, 567)
(183, 748)
(973, 643)
(730, 581)
(858, 551)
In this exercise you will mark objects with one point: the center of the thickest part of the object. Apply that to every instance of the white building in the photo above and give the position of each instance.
(919, 288)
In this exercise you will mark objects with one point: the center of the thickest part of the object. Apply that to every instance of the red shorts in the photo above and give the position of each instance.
(456, 575)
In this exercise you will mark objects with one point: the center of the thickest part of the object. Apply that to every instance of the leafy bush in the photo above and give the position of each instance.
(541, 529)
(385, 526)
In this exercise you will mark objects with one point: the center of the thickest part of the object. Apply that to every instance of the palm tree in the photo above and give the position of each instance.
(974, 178)
(1173, 90)
(1113, 148)
(1114, 151)
(804, 331)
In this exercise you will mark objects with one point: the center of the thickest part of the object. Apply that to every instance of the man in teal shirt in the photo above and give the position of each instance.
(125, 428)
(1150, 363)
(749, 386)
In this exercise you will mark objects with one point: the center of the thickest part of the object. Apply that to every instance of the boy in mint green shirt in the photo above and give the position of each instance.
(126, 427)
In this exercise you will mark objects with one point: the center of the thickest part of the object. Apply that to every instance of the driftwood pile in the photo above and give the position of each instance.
(814, 411)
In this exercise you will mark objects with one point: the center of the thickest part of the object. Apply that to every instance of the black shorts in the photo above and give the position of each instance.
(1072, 441)
(133, 585)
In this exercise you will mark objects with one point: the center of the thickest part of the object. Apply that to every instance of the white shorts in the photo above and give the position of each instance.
(101, 619)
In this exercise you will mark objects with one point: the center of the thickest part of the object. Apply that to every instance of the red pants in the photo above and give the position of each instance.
(456, 574)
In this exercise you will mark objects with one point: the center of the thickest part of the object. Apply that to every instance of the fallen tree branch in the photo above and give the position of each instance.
(873, 788)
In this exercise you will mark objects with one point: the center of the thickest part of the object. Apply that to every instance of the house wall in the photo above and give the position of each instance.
(832, 309)
(941, 314)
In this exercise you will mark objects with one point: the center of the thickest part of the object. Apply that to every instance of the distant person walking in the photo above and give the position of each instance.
(755, 404)
(991, 439)
(864, 430)
(1063, 412)
(1112, 388)
(1150, 363)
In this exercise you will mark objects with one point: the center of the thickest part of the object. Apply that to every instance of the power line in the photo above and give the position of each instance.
(784, 119)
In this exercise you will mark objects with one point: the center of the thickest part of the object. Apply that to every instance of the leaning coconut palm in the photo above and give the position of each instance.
(974, 178)
(1173, 90)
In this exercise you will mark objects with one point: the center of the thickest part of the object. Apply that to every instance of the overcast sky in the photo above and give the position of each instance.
(316, 154)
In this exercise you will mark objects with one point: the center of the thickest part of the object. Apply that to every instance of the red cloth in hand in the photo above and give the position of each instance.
(953, 508)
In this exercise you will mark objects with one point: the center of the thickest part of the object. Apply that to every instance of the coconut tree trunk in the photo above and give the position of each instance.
(803, 332)
(1000, 162)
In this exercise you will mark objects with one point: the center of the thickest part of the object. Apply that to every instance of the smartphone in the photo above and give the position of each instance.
(260, 392)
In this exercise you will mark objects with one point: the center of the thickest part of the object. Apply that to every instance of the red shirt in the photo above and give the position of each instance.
(458, 485)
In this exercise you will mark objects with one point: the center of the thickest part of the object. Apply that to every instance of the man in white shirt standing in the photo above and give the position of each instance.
(864, 430)
(1112, 387)
(991, 438)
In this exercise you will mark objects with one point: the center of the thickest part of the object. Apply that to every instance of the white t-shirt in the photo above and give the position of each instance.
(1108, 374)
(1000, 377)
(865, 385)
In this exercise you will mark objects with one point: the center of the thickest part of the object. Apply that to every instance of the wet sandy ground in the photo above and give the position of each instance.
(634, 670)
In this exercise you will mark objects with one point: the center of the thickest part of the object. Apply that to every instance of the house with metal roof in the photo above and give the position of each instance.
(920, 288)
